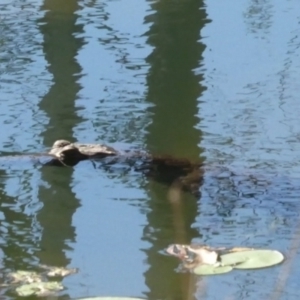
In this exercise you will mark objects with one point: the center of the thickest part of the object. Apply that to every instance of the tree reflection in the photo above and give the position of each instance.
(59, 203)
(173, 88)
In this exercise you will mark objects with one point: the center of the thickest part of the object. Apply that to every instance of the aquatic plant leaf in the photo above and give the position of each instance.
(177, 250)
(253, 259)
(39, 288)
(211, 270)
(110, 298)
(59, 271)
(192, 256)
(24, 277)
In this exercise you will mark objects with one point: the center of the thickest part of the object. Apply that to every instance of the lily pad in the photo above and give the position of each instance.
(253, 259)
(211, 270)
(110, 298)
(24, 277)
(39, 288)
(193, 256)
(59, 271)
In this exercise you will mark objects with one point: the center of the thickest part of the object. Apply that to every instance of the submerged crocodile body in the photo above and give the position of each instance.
(63, 153)
(181, 172)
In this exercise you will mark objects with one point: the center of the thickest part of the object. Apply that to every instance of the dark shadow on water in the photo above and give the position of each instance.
(42, 232)
(18, 230)
(60, 46)
(174, 89)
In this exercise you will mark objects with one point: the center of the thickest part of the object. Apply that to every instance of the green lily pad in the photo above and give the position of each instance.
(211, 270)
(253, 259)
(59, 271)
(110, 298)
(24, 277)
(39, 288)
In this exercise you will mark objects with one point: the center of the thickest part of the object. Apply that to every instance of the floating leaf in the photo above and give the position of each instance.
(239, 249)
(253, 259)
(211, 270)
(24, 277)
(203, 260)
(177, 250)
(39, 288)
(110, 298)
(192, 256)
(59, 271)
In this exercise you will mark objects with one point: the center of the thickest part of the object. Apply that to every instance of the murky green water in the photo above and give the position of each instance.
(215, 80)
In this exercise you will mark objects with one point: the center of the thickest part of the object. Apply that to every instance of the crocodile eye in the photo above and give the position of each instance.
(61, 155)
(61, 143)
(176, 250)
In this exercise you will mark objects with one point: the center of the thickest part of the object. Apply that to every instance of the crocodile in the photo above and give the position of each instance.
(63, 153)
(66, 151)
(181, 172)
(162, 168)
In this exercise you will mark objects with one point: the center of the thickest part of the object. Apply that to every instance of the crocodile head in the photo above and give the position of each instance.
(61, 144)
(67, 153)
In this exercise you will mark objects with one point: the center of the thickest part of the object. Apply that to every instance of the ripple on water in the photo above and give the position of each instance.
(112, 104)
(24, 78)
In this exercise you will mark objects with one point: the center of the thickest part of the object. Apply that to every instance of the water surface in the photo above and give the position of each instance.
(204, 80)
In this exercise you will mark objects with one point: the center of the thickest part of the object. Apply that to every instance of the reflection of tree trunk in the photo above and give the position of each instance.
(56, 216)
(60, 48)
(17, 230)
(187, 281)
(173, 88)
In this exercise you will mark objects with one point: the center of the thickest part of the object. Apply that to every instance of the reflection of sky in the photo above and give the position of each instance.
(249, 116)
(113, 63)
(109, 231)
(250, 108)
(250, 120)
(108, 243)
(23, 81)
(23, 76)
